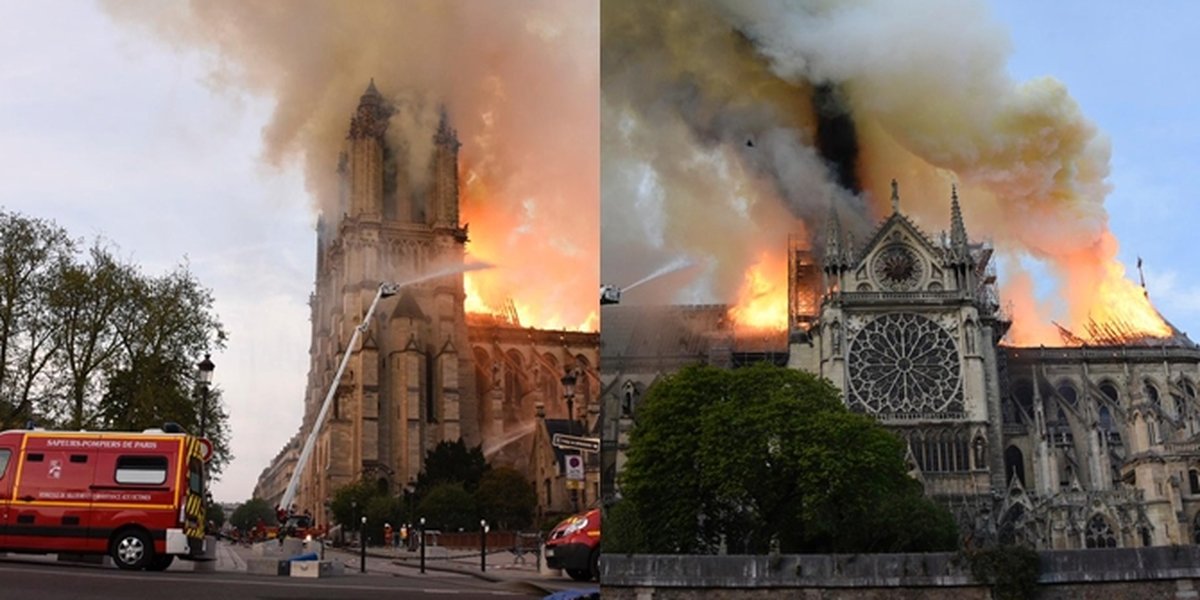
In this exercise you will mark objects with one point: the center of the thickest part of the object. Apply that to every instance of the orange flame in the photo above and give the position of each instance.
(549, 287)
(1105, 306)
(762, 299)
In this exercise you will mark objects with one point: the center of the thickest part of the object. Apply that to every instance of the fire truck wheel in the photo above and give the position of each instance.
(161, 562)
(580, 574)
(595, 563)
(131, 549)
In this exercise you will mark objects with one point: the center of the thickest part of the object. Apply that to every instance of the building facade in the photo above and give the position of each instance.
(1076, 446)
(425, 371)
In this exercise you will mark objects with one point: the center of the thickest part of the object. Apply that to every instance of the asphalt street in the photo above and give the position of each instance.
(34, 577)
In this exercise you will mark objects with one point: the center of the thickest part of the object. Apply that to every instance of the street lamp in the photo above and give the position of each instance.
(483, 531)
(204, 371)
(568, 383)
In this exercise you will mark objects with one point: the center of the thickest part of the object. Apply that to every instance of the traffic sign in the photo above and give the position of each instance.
(575, 442)
(574, 485)
(574, 467)
(206, 448)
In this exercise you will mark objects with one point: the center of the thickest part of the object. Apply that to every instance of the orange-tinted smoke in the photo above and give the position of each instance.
(518, 79)
(932, 104)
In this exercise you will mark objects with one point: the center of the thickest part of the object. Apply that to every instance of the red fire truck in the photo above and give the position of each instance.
(138, 497)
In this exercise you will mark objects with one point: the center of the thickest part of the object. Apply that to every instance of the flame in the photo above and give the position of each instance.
(762, 299)
(1105, 306)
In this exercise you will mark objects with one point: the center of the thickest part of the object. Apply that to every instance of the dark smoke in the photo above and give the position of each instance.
(837, 140)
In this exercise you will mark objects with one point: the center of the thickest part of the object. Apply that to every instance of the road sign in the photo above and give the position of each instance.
(574, 485)
(206, 448)
(574, 467)
(575, 442)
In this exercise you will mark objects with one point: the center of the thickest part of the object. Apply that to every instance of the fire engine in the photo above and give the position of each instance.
(138, 497)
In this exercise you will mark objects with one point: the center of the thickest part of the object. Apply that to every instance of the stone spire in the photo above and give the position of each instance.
(895, 196)
(446, 135)
(958, 231)
(834, 252)
(370, 120)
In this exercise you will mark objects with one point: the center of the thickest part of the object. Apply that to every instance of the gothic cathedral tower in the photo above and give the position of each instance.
(409, 384)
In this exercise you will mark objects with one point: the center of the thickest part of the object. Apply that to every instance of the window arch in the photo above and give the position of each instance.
(1110, 390)
(512, 378)
(1105, 420)
(1196, 529)
(1022, 394)
(1067, 391)
(1099, 534)
(550, 380)
(1151, 393)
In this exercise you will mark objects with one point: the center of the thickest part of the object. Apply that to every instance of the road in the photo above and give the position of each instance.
(34, 578)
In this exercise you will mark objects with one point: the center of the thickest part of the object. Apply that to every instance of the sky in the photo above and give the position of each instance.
(1131, 68)
(111, 133)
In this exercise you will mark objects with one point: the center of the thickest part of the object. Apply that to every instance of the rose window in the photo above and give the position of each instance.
(904, 366)
(897, 268)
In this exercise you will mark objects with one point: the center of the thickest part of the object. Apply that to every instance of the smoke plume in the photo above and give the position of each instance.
(518, 79)
(749, 118)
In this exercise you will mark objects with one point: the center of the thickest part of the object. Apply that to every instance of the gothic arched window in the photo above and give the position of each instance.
(1022, 394)
(1068, 393)
(1151, 394)
(1196, 529)
(1099, 534)
(1108, 389)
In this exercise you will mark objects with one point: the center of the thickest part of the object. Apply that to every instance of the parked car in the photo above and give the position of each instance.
(574, 546)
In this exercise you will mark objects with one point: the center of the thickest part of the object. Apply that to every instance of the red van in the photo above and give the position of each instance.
(574, 546)
(138, 497)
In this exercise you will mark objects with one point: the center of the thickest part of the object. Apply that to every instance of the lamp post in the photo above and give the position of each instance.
(204, 371)
(362, 564)
(568, 383)
(422, 545)
(483, 531)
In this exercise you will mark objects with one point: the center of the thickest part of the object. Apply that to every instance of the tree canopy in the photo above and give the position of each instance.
(247, 515)
(766, 457)
(88, 341)
(452, 462)
(506, 499)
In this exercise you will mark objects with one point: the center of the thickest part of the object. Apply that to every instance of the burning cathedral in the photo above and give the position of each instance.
(1092, 443)
(427, 371)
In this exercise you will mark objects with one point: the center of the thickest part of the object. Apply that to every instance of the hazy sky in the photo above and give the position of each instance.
(110, 133)
(1132, 68)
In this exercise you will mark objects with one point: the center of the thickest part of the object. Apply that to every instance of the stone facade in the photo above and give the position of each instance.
(424, 371)
(1117, 573)
(1075, 446)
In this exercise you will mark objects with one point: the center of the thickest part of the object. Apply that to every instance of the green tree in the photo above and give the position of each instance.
(767, 457)
(31, 251)
(215, 515)
(247, 515)
(350, 502)
(381, 510)
(506, 499)
(452, 462)
(85, 299)
(448, 506)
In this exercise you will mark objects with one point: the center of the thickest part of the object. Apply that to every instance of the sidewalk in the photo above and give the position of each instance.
(504, 567)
